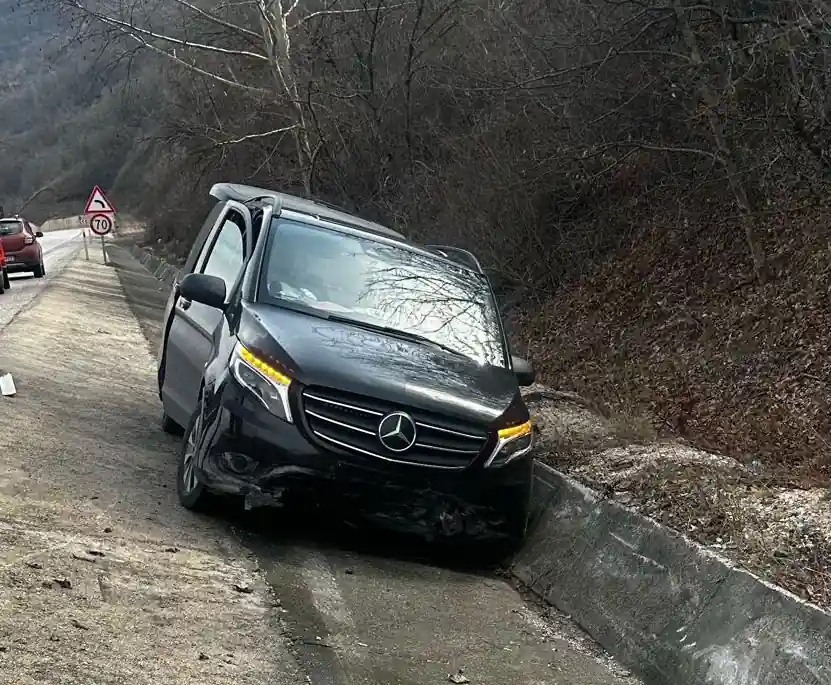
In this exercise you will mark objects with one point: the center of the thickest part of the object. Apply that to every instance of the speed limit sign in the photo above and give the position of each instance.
(101, 224)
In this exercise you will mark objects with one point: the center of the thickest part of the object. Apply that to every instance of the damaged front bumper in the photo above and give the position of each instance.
(253, 454)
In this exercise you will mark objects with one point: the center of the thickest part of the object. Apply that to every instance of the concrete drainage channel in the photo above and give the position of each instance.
(669, 609)
(672, 611)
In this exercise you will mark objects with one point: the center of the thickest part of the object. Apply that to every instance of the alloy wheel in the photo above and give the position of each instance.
(189, 479)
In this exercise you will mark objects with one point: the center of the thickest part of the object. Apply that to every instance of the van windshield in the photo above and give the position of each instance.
(373, 282)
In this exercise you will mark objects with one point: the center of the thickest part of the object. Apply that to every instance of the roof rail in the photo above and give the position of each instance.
(330, 205)
(458, 254)
(244, 194)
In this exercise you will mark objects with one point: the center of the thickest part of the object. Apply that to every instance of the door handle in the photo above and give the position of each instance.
(184, 304)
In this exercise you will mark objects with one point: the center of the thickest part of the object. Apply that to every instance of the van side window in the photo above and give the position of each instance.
(227, 253)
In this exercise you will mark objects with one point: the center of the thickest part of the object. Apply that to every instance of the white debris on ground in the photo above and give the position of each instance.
(7, 388)
(781, 533)
(560, 631)
(793, 508)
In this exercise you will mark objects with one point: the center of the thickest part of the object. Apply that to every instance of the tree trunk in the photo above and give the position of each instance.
(728, 156)
(278, 48)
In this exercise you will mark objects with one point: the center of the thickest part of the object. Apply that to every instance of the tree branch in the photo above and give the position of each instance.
(220, 22)
(130, 28)
(252, 136)
(357, 10)
(670, 148)
(193, 67)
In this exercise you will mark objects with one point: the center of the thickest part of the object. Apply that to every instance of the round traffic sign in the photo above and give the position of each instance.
(101, 224)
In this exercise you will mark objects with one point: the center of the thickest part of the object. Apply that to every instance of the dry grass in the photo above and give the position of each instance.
(686, 349)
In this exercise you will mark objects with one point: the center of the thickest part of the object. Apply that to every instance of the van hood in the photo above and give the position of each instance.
(317, 351)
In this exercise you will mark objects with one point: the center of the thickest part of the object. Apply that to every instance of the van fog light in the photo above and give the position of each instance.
(240, 464)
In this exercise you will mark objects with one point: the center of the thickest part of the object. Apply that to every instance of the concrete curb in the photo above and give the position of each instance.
(670, 610)
(667, 608)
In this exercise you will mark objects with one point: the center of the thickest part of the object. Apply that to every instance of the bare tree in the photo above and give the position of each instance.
(246, 48)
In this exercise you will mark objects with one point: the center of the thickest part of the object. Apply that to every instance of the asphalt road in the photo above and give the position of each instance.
(279, 598)
(58, 249)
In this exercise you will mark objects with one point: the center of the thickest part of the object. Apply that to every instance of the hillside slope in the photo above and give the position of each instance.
(70, 118)
(673, 329)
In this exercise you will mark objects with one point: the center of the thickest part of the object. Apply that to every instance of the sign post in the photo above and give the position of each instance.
(101, 225)
(83, 221)
(101, 215)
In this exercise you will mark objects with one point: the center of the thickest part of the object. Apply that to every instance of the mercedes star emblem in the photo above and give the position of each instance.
(397, 432)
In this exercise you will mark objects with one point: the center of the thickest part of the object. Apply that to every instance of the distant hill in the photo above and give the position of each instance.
(67, 120)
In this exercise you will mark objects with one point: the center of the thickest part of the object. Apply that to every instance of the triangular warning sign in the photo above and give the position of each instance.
(97, 203)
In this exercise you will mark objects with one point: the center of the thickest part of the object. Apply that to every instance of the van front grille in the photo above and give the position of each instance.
(352, 423)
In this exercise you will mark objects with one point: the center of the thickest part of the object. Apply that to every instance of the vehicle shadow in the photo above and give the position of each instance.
(337, 526)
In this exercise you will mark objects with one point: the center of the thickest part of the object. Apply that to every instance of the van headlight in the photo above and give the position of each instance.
(512, 442)
(267, 381)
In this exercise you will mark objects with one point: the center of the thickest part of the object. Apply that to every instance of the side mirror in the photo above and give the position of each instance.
(39, 234)
(208, 290)
(524, 371)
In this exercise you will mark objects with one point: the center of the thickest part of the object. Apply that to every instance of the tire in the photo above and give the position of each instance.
(513, 531)
(39, 271)
(193, 494)
(169, 426)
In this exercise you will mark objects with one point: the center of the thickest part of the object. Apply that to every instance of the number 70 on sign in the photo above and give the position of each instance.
(101, 224)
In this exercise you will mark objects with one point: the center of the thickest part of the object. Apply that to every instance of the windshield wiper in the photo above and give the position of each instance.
(406, 335)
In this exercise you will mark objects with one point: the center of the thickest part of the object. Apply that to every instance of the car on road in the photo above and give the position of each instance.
(305, 348)
(20, 242)
(4, 274)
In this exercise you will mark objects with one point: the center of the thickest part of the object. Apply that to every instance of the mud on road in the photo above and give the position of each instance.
(104, 578)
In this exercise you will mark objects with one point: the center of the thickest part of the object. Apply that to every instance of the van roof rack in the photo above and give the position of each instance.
(245, 194)
(330, 205)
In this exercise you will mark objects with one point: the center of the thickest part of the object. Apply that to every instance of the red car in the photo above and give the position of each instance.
(20, 242)
(4, 274)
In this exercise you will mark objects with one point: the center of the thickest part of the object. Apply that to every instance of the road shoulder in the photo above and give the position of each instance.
(102, 575)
